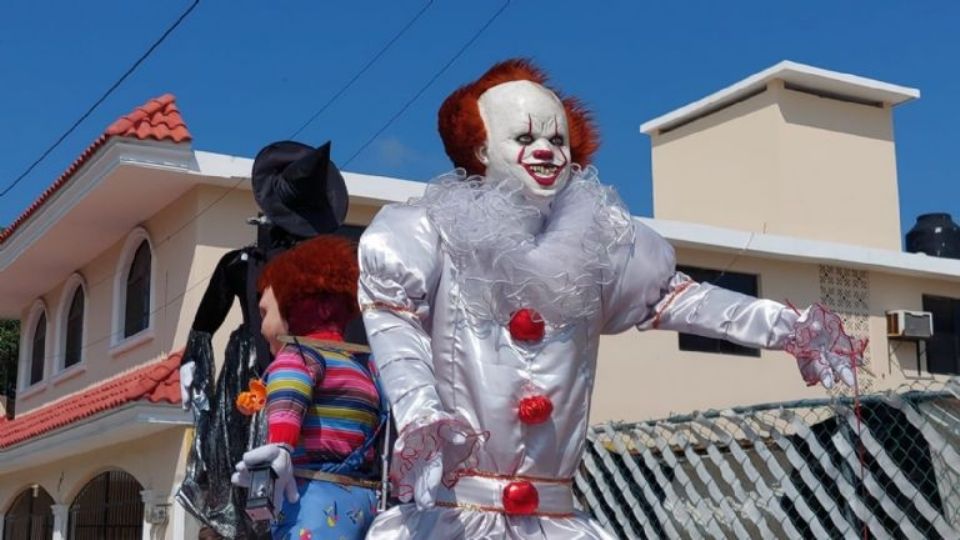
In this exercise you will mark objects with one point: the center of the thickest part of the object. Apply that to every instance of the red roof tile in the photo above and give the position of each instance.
(157, 119)
(157, 382)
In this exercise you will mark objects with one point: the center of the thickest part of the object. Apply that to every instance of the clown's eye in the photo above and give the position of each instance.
(556, 140)
(525, 139)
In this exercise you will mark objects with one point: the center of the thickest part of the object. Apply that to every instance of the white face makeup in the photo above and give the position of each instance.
(527, 137)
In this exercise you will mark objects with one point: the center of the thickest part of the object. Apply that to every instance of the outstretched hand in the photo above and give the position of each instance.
(823, 349)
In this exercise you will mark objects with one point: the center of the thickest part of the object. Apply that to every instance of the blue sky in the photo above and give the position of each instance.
(246, 73)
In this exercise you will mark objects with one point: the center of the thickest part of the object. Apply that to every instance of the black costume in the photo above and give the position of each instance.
(302, 194)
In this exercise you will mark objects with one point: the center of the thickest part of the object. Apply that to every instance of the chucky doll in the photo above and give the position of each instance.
(323, 407)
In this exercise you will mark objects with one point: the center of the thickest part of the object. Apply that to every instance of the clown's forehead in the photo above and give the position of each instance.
(518, 101)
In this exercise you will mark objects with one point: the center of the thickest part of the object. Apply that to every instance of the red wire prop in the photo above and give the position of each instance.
(820, 333)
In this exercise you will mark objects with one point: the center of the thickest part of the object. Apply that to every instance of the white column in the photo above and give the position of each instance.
(61, 520)
(183, 523)
(153, 503)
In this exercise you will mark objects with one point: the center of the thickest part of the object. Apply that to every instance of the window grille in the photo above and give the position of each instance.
(30, 516)
(109, 507)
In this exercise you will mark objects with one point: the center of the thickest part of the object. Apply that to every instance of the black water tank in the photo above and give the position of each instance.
(935, 234)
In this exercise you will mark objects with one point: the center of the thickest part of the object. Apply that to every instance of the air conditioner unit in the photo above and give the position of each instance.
(905, 324)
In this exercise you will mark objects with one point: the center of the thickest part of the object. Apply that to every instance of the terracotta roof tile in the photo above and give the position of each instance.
(157, 382)
(158, 119)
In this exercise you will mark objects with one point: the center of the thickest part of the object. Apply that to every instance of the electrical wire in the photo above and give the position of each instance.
(430, 82)
(363, 70)
(102, 98)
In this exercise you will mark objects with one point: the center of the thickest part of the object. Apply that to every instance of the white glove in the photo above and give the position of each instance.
(823, 349)
(278, 457)
(187, 372)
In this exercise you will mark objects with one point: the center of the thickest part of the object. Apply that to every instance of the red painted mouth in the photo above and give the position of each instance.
(544, 174)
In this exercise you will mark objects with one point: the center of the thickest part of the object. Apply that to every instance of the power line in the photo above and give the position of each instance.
(102, 98)
(236, 184)
(216, 201)
(364, 69)
(205, 279)
(432, 80)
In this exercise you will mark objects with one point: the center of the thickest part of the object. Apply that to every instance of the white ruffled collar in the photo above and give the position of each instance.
(509, 255)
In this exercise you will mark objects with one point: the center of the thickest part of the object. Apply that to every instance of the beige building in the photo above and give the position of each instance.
(785, 183)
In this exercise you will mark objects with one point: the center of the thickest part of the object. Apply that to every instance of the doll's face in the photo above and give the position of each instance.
(527, 137)
(272, 324)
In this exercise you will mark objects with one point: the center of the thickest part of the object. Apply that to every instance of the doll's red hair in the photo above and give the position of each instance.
(315, 281)
(461, 126)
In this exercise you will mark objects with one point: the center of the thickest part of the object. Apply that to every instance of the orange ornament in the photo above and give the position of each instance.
(252, 401)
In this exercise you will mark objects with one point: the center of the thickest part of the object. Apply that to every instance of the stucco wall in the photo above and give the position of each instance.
(716, 169)
(784, 162)
(644, 375)
(173, 238)
(838, 175)
(156, 461)
(189, 238)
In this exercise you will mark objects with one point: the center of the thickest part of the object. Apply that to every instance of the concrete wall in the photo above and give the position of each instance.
(838, 172)
(784, 162)
(716, 169)
(646, 376)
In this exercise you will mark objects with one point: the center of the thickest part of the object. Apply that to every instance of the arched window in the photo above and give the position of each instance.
(108, 506)
(136, 314)
(38, 349)
(71, 322)
(73, 346)
(30, 515)
(32, 367)
(134, 293)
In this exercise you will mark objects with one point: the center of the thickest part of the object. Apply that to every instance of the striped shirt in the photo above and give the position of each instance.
(322, 402)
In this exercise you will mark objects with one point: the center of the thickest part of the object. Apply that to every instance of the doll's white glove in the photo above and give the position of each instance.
(187, 372)
(278, 458)
(823, 349)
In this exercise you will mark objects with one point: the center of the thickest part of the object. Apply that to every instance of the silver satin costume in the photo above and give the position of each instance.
(441, 341)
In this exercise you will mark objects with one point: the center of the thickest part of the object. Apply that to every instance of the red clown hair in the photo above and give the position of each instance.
(461, 126)
(315, 280)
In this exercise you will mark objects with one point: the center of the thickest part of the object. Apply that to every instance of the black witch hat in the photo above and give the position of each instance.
(299, 189)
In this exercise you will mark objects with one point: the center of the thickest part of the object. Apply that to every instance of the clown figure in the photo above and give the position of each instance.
(323, 407)
(484, 302)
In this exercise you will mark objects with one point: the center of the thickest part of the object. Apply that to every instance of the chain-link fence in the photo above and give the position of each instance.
(883, 466)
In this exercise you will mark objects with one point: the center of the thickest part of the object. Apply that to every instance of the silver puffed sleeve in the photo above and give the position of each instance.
(399, 269)
(651, 294)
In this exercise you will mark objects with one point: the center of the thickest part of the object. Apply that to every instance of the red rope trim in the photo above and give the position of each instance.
(673, 296)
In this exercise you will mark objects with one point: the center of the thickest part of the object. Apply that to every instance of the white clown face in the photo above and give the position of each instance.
(527, 137)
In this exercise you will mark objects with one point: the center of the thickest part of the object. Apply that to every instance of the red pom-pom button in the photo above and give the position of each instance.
(535, 409)
(520, 498)
(526, 325)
